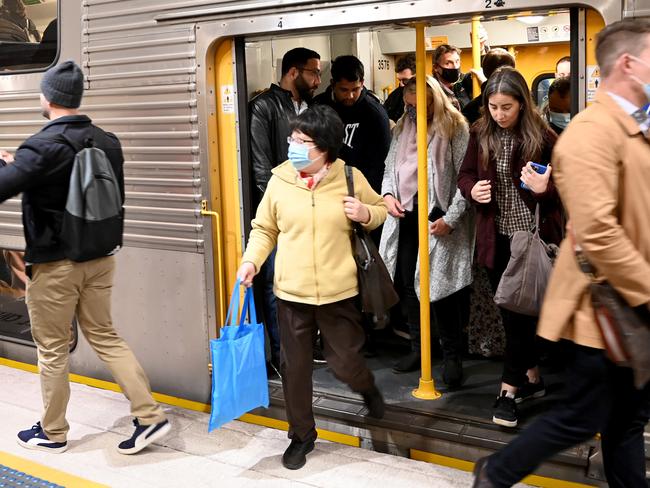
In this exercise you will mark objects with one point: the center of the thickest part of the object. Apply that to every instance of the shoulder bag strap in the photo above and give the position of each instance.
(349, 178)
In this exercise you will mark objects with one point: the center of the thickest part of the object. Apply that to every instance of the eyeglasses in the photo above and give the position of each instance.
(299, 141)
(315, 72)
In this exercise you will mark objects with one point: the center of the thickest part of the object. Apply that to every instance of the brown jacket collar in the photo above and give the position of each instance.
(630, 125)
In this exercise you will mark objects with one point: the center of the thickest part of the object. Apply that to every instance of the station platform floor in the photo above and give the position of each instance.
(237, 455)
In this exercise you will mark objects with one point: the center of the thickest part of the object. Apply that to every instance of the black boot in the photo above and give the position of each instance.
(375, 403)
(295, 456)
(409, 363)
(452, 372)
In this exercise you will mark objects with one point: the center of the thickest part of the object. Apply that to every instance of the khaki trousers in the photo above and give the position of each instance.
(55, 293)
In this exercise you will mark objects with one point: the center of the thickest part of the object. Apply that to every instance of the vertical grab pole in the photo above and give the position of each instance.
(426, 389)
(476, 53)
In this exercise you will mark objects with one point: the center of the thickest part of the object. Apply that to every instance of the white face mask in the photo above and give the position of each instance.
(646, 86)
(559, 119)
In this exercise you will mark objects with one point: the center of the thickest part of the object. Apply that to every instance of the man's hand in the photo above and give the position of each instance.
(7, 156)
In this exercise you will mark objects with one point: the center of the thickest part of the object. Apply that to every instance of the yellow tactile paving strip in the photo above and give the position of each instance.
(46, 473)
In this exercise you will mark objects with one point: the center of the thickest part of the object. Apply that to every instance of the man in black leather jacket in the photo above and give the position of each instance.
(270, 113)
(271, 110)
(405, 70)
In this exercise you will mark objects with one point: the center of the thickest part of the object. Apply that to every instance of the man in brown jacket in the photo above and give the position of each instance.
(602, 170)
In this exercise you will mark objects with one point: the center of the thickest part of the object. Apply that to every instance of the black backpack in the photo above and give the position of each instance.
(93, 220)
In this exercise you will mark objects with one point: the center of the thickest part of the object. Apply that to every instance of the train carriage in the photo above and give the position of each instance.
(172, 80)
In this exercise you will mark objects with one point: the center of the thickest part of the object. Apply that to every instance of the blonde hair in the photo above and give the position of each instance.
(442, 117)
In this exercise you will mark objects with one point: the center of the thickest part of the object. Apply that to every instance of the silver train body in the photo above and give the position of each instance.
(148, 80)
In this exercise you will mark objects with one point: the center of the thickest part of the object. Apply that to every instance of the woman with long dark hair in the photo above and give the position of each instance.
(509, 136)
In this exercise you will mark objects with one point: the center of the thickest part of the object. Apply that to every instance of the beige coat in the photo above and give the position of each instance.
(314, 263)
(601, 167)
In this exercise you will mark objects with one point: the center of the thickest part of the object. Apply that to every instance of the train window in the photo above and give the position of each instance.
(28, 34)
(539, 89)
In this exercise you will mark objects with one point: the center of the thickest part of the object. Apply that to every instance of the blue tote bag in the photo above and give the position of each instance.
(239, 382)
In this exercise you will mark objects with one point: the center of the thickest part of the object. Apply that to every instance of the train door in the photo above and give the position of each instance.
(538, 41)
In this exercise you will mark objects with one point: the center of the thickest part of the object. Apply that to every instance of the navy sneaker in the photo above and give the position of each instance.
(35, 438)
(143, 436)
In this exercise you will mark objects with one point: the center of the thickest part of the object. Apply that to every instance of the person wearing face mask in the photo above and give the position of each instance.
(451, 238)
(558, 110)
(602, 174)
(306, 212)
(405, 70)
(510, 134)
(446, 69)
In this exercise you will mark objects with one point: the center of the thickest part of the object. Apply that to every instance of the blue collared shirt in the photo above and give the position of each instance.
(630, 108)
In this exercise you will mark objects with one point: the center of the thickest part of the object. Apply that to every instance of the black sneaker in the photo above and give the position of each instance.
(452, 372)
(408, 363)
(505, 411)
(530, 390)
(375, 403)
(143, 436)
(35, 438)
(481, 479)
(318, 355)
(295, 456)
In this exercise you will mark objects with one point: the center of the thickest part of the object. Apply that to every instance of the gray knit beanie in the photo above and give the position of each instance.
(63, 85)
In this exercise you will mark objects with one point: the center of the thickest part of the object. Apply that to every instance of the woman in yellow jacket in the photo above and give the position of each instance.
(306, 212)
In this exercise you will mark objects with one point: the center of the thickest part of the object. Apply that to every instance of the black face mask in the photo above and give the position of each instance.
(450, 75)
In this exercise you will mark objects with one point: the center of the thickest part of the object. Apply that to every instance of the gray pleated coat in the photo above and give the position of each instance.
(450, 256)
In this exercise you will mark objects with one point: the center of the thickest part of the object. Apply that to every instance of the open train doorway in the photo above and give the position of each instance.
(542, 44)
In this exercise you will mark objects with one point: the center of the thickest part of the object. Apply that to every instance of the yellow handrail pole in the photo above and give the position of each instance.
(426, 390)
(218, 277)
(476, 53)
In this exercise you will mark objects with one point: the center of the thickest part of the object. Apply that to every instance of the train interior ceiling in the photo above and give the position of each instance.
(538, 42)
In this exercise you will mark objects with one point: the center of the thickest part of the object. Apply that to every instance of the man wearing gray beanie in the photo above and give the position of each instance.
(41, 170)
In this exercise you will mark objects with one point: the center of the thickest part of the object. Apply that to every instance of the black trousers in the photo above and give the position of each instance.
(447, 314)
(343, 337)
(521, 352)
(601, 397)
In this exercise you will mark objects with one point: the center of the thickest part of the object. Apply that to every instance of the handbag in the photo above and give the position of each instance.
(625, 329)
(375, 284)
(239, 381)
(524, 281)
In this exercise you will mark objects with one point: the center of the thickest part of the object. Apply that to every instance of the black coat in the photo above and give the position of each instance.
(41, 171)
(367, 134)
(394, 104)
(270, 113)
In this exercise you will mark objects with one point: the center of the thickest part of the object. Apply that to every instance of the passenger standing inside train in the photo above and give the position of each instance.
(365, 123)
(510, 135)
(306, 212)
(603, 175)
(558, 110)
(405, 70)
(493, 60)
(563, 68)
(60, 289)
(270, 113)
(451, 240)
(446, 69)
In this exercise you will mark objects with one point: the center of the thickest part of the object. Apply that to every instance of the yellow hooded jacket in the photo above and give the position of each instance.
(314, 263)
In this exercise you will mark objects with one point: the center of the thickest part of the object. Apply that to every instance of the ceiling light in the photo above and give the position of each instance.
(530, 19)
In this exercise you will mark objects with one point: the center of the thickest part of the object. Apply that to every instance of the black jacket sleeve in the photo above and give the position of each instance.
(30, 163)
(261, 143)
(378, 150)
